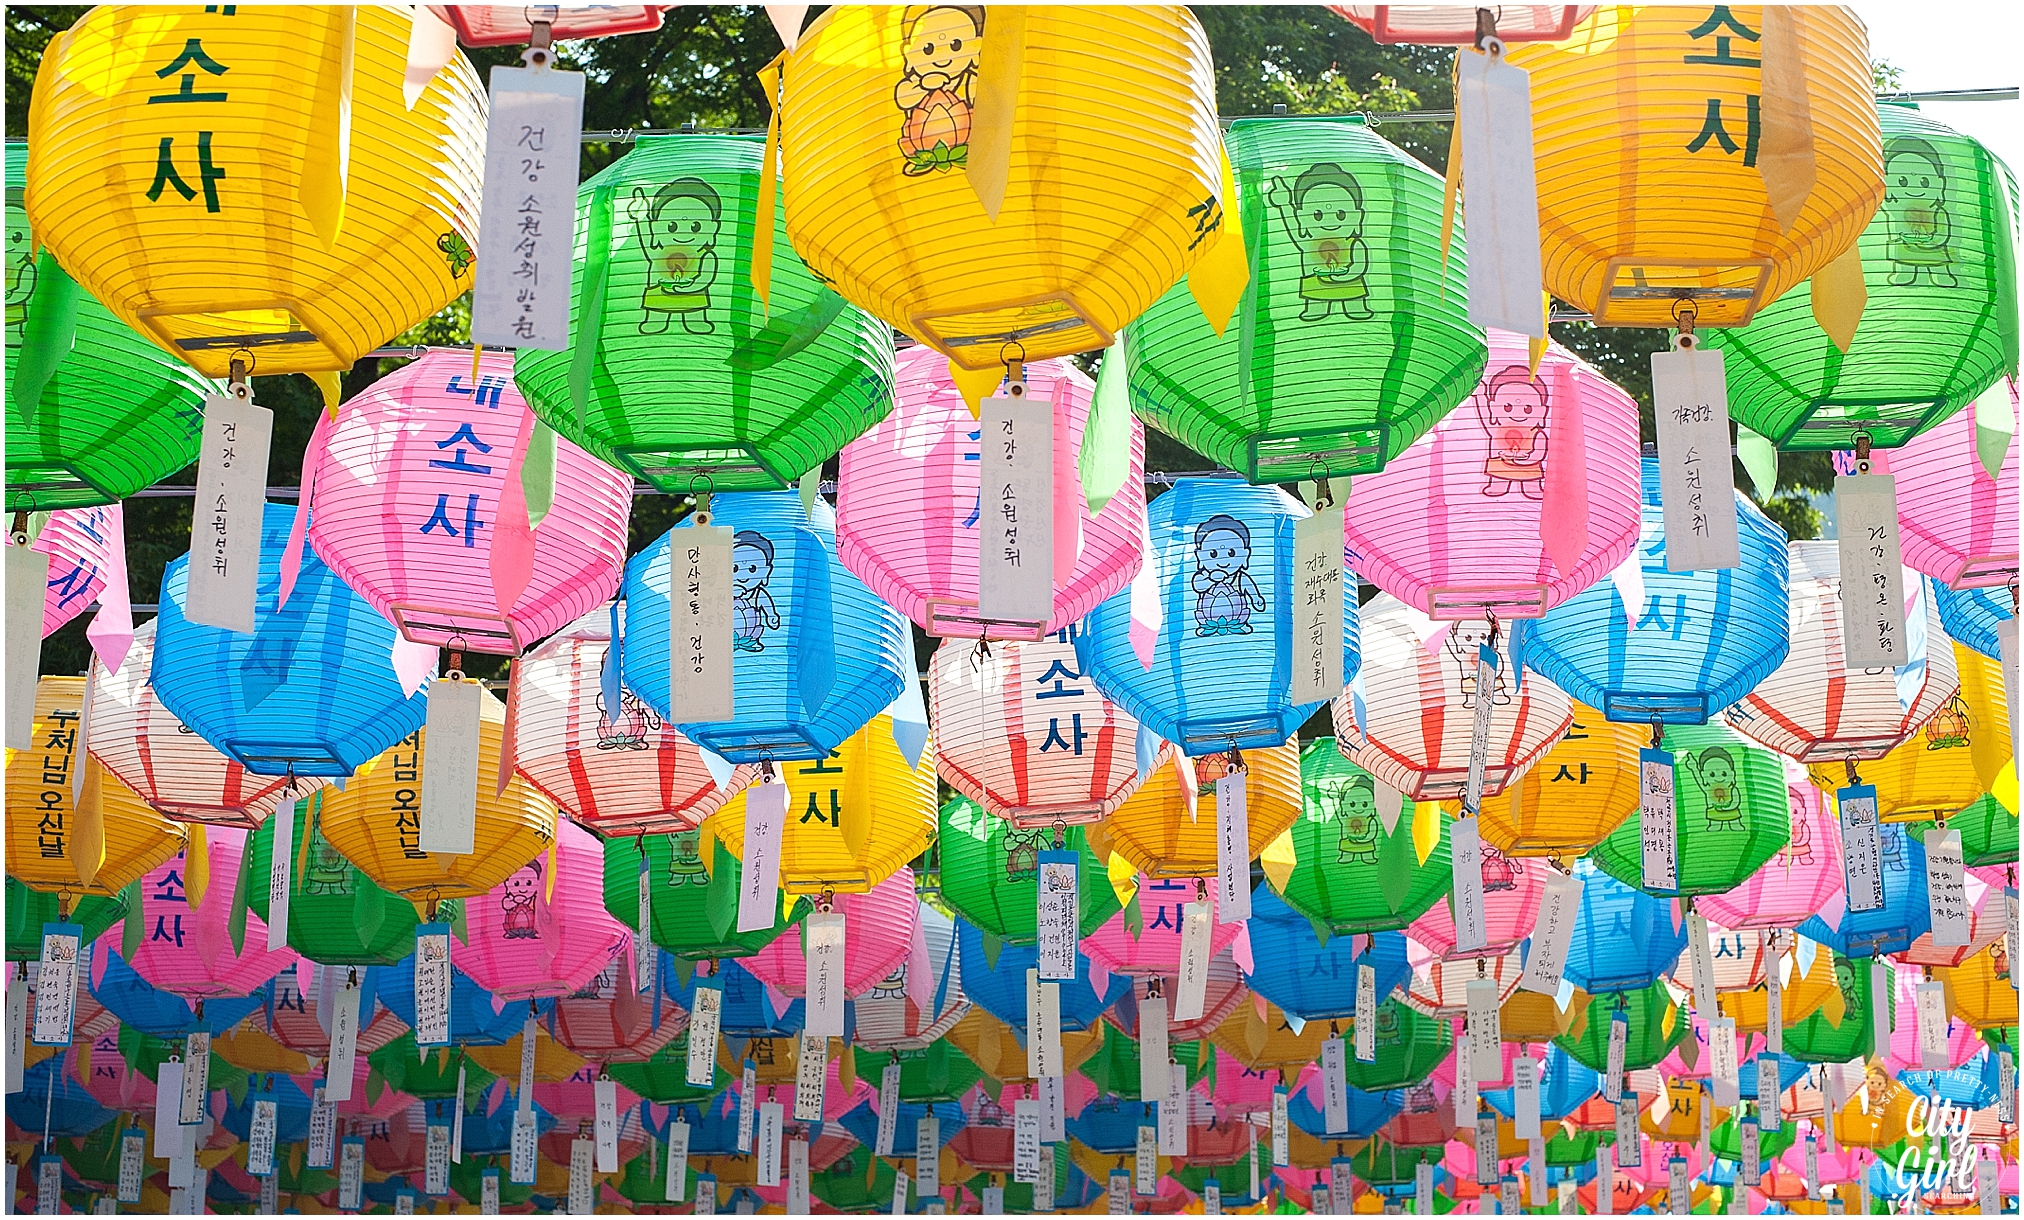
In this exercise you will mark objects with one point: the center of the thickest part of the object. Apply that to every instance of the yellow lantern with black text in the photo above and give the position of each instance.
(1162, 837)
(1015, 180)
(1979, 990)
(853, 819)
(1567, 802)
(250, 178)
(1949, 763)
(1713, 154)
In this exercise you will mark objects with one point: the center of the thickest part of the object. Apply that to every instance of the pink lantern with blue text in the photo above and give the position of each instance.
(1156, 948)
(1957, 522)
(185, 947)
(83, 545)
(878, 938)
(1800, 880)
(544, 930)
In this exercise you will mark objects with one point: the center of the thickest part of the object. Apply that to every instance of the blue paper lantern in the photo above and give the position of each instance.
(165, 1014)
(817, 654)
(1975, 1085)
(291, 1110)
(999, 987)
(1974, 617)
(490, 1133)
(311, 688)
(1222, 671)
(1111, 1124)
(1564, 1084)
(1698, 641)
(1624, 938)
(747, 1010)
(475, 1017)
(1367, 1113)
(862, 1121)
(1306, 978)
(1905, 914)
(51, 1095)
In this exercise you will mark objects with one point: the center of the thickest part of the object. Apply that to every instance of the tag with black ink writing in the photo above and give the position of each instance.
(706, 1194)
(449, 798)
(1552, 932)
(1233, 849)
(1722, 1060)
(1753, 1165)
(1701, 961)
(1366, 1013)
(282, 853)
(1465, 846)
(530, 1034)
(759, 882)
(705, 1019)
(2006, 1085)
(1479, 731)
(1043, 1183)
(900, 1183)
(823, 937)
(1281, 1151)
(488, 1192)
(1060, 927)
(1861, 847)
(1676, 1186)
(1535, 1169)
(811, 1076)
(133, 1150)
(678, 1160)
(1146, 1162)
(581, 1184)
(27, 588)
(1192, 990)
(1525, 1097)
(404, 1203)
(700, 650)
(888, 1108)
(1658, 826)
(1486, 1032)
(350, 1172)
(260, 1137)
(223, 576)
(197, 1077)
(1025, 1139)
(56, 984)
(1335, 1084)
(1173, 1109)
(1317, 604)
(1486, 1147)
(1053, 1108)
(523, 1149)
(1629, 1154)
(1015, 536)
(1872, 578)
(1619, 1033)
(646, 954)
(1774, 1002)
(1605, 1180)
(527, 214)
(797, 1177)
(769, 1135)
(1987, 1201)
(17, 1036)
(436, 1160)
(1043, 1027)
(604, 1094)
(1152, 1015)
(432, 984)
(322, 1131)
(1768, 1094)
(1212, 1198)
(748, 1101)
(1464, 1095)
(1930, 1000)
(1118, 1194)
(1697, 484)
(1947, 888)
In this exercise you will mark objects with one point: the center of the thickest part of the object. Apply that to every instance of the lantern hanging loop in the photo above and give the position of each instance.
(63, 905)
(1236, 765)
(1658, 732)
(1684, 314)
(18, 535)
(1061, 844)
(1854, 778)
(239, 374)
(1201, 890)
(1862, 447)
(456, 671)
(826, 901)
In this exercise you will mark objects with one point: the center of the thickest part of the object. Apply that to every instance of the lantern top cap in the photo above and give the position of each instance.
(1280, 120)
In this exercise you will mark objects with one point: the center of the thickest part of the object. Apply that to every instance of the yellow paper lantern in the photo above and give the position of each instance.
(1801, 996)
(853, 819)
(1979, 990)
(1718, 154)
(1569, 801)
(1156, 831)
(552, 1060)
(234, 178)
(1947, 765)
(376, 821)
(966, 172)
(1880, 1116)
(1262, 1039)
(993, 1046)
(47, 837)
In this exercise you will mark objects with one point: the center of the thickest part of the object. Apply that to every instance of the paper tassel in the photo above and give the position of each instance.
(1995, 425)
(537, 474)
(196, 865)
(326, 176)
(431, 43)
(787, 19)
(291, 555)
(1563, 511)
(975, 385)
(1839, 296)
(999, 69)
(1105, 461)
(769, 178)
(512, 538)
(1785, 158)
(111, 632)
(1218, 279)
(1760, 458)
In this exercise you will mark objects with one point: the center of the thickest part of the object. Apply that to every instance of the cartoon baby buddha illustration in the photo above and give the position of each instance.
(1513, 408)
(1714, 769)
(753, 613)
(938, 85)
(678, 228)
(517, 902)
(1323, 214)
(1356, 812)
(1225, 594)
(1915, 213)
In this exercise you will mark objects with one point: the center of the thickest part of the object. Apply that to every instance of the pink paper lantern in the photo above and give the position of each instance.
(1739, 959)
(922, 999)
(1408, 717)
(179, 773)
(361, 1107)
(292, 1021)
(1512, 891)
(417, 505)
(574, 1099)
(1449, 24)
(878, 937)
(1518, 499)
(608, 1021)
(1986, 916)
(1964, 1041)
(1797, 883)
(106, 1075)
(837, 1101)
(1958, 525)
(1022, 732)
(188, 950)
(1439, 987)
(631, 772)
(537, 934)
(1225, 990)
(1156, 949)
(1242, 1090)
(1813, 707)
(80, 543)
(908, 504)
(503, 25)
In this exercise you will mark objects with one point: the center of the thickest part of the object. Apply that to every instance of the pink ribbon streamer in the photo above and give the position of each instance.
(512, 537)
(1563, 512)
(111, 632)
(291, 556)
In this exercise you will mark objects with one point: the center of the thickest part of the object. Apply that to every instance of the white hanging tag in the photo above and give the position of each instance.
(1192, 989)
(2007, 652)
(1769, 1091)
(1676, 1186)
(759, 888)
(1774, 1002)
(1486, 1033)
(1117, 1194)
(56, 984)
(1026, 1140)
(1612, 1078)
(1233, 849)
(1015, 538)
(1658, 825)
(48, 1184)
(1947, 888)
(646, 954)
(1146, 1162)
(1060, 927)
(1987, 1201)
(2006, 1086)
(1212, 1198)
(604, 1125)
(1507, 1195)
(450, 767)
(1812, 1167)
(1053, 1108)
(1485, 1127)
(1930, 1000)
(1833, 1097)
(523, 1150)
(888, 1108)
(1753, 1165)
(530, 1034)
(404, 1203)
(1173, 1108)
(133, 1151)
(700, 669)
(678, 1160)
(748, 1101)
(1697, 484)
(1423, 1189)
(581, 1183)
(811, 1078)
(797, 1178)
(270, 1197)
(1487, 662)
(196, 1077)
(260, 1138)
(1465, 846)
(1872, 575)
(1464, 1095)
(767, 1152)
(432, 984)
(1281, 1150)
(928, 1155)
(1335, 1086)
(17, 1035)
(436, 1160)
(705, 1019)
(1043, 1183)
(322, 1130)
(1701, 960)
(27, 587)
(1882, 1004)
(1861, 847)
(1500, 192)
(706, 1194)
(1317, 604)
(183, 1157)
(278, 866)
(2011, 940)
(1535, 1169)
(1043, 1027)
(1525, 1096)
(1152, 1021)
(1605, 1180)
(527, 214)
(1552, 932)
(1723, 1067)
(824, 931)
(1629, 1153)
(223, 577)
(1366, 1013)
(350, 1173)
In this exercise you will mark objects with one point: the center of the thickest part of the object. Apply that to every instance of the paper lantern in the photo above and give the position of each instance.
(1656, 1024)
(587, 759)
(1818, 1039)
(1441, 24)
(294, 164)
(1813, 707)
(1154, 829)
(1410, 1045)
(1952, 760)
(908, 504)
(1691, 138)
(1261, 1039)
(81, 544)
(854, 818)
(1440, 986)
(1517, 500)
(1697, 641)
(1353, 338)
(1580, 789)
(1225, 989)
(476, 1018)
(1308, 977)
(1512, 892)
(921, 999)
(543, 931)
(376, 821)
(1731, 813)
(50, 846)
(313, 688)
(1623, 937)
(187, 948)
(1939, 323)
(1988, 833)
(693, 378)
(878, 934)
(990, 872)
(1154, 948)
(692, 901)
(606, 1021)
(663, 1077)
(486, 25)
(414, 479)
(1957, 524)
(1905, 914)
(1044, 234)
(817, 655)
(1408, 716)
(1804, 877)
(336, 915)
(1020, 729)
(996, 982)
(1975, 617)
(1347, 870)
(1222, 668)
(1980, 991)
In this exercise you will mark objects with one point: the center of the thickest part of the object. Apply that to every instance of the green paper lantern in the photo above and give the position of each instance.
(937, 1072)
(1940, 325)
(1570, 1151)
(1731, 810)
(1351, 340)
(1233, 1178)
(991, 873)
(690, 380)
(115, 412)
(1114, 1066)
(28, 910)
(1383, 1163)
(336, 915)
(467, 1178)
(427, 1076)
(1988, 833)
(1018, 1195)
(145, 1053)
(1410, 1045)
(849, 1186)
(693, 914)
(1818, 1040)
(664, 1078)
(1726, 1139)
(1657, 1024)
(1349, 873)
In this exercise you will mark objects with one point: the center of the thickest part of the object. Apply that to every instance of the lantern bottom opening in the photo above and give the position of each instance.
(1984, 572)
(1475, 602)
(840, 881)
(490, 634)
(955, 618)
(762, 743)
(1860, 749)
(708, 466)
(212, 815)
(38, 487)
(1039, 817)
(1836, 425)
(661, 822)
(1290, 457)
(1640, 707)
(1448, 783)
(1036, 328)
(1218, 734)
(276, 758)
(277, 335)
(1648, 292)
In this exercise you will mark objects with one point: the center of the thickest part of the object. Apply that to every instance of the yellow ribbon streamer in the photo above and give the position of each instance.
(1426, 817)
(548, 878)
(1453, 188)
(1123, 878)
(1535, 349)
(1278, 860)
(1003, 62)
(1785, 158)
(326, 173)
(1840, 295)
(329, 381)
(769, 174)
(1217, 281)
(196, 866)
(87, 840)
(975, 385)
